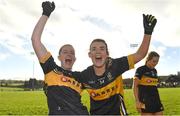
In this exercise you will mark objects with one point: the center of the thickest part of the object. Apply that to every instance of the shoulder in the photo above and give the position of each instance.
(155, 70)
(88, 70)
(142, 67)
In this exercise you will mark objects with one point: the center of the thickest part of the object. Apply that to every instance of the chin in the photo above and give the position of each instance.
(99, 66)
(68, 67)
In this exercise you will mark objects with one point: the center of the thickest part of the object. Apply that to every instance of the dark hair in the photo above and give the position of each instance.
(151, 55)
(60, 50)
(100, 40)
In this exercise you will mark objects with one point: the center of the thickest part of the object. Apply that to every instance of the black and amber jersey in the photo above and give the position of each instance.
(63, 91)
(148, 92)
(148, 80)
(106, 91)
(147, 76)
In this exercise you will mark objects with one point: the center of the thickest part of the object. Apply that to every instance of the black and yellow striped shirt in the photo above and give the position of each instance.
(106, 91)
(63, 91)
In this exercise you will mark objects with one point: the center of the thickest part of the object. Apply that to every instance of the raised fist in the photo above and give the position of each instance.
(48, 8)
(149, 22)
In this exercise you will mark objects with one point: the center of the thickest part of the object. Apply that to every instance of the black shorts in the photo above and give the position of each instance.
(152, 105)
(58, 108)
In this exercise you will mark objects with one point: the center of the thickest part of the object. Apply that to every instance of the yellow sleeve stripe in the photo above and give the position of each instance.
(45, 57)
(131, 61)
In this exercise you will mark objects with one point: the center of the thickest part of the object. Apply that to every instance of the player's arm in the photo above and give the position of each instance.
(136, 92)
(149, 23)
(39, 48)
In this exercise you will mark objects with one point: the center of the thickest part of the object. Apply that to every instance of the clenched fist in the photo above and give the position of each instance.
(48, 8)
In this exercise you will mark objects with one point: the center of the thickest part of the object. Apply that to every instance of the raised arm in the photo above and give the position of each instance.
(149, 23)
(39, 48)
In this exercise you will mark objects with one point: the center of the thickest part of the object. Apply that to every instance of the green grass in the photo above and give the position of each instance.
(170, 98)
(22, 103)
(34, 102)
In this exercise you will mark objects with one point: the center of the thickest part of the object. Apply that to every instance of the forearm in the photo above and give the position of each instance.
(39, 48)
(37, 32)
(135, 90)
(143, 49)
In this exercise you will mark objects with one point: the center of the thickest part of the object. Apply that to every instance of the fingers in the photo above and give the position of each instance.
(48, 4)
(140, 106)
(48, 7)
(139, 110)
(150, 18)
(154, 21)
(53, 5)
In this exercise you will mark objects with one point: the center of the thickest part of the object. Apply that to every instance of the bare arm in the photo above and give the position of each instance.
(39, 48)
(143, 49)
(135, 89)
(136, 92)
(149, 22)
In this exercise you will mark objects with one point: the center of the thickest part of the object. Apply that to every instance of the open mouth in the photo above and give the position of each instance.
(98, 58)
(68, 61)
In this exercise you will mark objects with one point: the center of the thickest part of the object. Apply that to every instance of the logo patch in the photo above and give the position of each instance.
(149, 81)
(63, 79)
(93, 94)
(109, 76)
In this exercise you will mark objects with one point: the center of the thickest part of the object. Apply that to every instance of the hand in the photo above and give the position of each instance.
(48, 8)
(139, 106)
(149, 22)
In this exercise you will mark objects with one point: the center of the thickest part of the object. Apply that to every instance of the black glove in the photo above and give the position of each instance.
(48, 7)
(149, 22)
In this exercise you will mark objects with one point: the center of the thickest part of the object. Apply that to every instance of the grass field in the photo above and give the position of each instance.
(34, 102)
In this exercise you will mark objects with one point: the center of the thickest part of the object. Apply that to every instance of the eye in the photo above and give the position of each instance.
(64, 52)
(93, 49)
(102, 49)
(72, 53)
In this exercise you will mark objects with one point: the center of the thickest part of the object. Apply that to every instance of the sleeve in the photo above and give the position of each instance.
(85, 75)
(131, 61)
(138, 73)
(124, 63)
(82, 77)
(47, 63)
(77, 76)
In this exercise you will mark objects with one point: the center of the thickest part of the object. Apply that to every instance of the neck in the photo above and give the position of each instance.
(69, 69)
(149, 66)
(99, 71)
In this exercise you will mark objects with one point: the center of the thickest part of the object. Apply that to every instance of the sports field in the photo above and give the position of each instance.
(17, 102)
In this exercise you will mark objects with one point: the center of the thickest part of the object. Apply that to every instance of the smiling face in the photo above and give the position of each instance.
(152, 59)
(98, 53)
(153, 62)
(67, 56)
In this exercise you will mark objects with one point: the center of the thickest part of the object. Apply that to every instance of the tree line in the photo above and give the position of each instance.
(34, 84)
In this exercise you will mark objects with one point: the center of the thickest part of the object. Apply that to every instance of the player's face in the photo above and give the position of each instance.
(98, 54)
(67, 57)
(153, 62)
